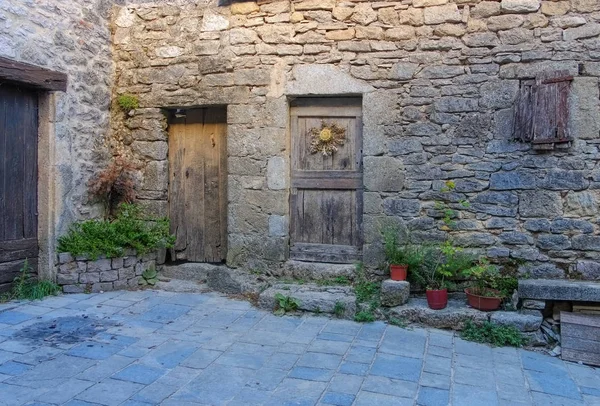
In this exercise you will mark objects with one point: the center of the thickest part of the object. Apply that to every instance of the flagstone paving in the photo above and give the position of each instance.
(152, 347)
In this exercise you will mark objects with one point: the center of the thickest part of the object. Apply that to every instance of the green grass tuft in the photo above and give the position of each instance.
(128, 102)
(364, 316)
(27, 288)
(493, 334)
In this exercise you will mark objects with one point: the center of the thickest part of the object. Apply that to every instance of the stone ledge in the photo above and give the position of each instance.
(559, 289)
(317, 270)
(454, 316)
(313, 298)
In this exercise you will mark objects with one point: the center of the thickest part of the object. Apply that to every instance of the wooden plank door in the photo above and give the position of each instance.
(18, 181)
(198, 184)
(326, 196)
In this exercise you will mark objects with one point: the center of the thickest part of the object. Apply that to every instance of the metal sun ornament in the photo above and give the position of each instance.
(327, 138)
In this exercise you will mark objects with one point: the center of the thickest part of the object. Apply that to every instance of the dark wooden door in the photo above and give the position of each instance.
(198, 184)
(18, 181)
(326, 196)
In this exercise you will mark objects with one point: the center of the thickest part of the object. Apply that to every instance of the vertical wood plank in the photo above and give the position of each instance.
(3, 160)
(30, 168)
(194, 179)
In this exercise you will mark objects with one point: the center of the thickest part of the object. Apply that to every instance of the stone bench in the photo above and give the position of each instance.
(559, 289)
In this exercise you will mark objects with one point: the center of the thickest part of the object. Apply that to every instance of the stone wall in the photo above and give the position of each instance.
(438, 80)
(80, 274)
(70, 36)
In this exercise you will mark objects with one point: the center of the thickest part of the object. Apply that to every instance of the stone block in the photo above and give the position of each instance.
(67, 279)
(244, 8)
(586, 242)
(525, 321)
(394, 293)
(74, 288)
(278, 226)
(100, 265)
(277, 173)
(454, 316)
(513, 180)
(588, 270)
(585, 31)
(129, 261)
(499, 94)
(383, 174)
(520, 6)
(126, 273)
(233, 281)
(156, 175)
(584, 102)
(559, 289)
(109, 276)
(582, 204)
(540, 203)
(102, 287)
(64, 257)
(553, 242)
(447, 13)
(451, 104)
(89, 277)
(117, 263)
(534, 304)
(402, 207)
(155, 150)
(67, 268)
(313, 298)
(555, 8)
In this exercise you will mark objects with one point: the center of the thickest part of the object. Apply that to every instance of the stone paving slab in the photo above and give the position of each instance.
(163, 348)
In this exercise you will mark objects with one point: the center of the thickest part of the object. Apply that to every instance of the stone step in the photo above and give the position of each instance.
(191, 271)
(454, 316)
(317, 270)
(313, 298)
(525, 320)
(181, 286)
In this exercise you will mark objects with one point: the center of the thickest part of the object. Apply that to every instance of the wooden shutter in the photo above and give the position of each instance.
(542, 111)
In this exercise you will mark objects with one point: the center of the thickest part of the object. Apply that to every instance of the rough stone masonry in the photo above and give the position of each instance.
(438, 78)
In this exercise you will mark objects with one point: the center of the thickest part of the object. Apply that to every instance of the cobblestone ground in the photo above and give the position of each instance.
(150, 347)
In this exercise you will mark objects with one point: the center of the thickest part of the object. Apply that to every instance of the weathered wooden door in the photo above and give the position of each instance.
(198, 184)
(18, 181)
(326, 196)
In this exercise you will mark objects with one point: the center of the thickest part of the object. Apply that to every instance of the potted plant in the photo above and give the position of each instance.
(400, 257)
(440, 265)
(486, 279)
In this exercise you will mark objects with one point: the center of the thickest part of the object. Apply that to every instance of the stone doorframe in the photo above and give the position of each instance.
(47, 82)
(319, 80)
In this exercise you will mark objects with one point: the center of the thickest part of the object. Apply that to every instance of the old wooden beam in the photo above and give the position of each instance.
(31, 75)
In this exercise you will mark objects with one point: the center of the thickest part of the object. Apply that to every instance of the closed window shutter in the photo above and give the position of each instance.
(542, 111)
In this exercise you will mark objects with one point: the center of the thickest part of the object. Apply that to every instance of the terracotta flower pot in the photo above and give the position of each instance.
(486, 303)
(398, 272)
(437, 299)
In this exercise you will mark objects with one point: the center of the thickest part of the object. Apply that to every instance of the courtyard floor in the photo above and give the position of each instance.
(152, 347)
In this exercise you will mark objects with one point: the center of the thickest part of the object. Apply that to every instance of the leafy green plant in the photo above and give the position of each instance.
(339, 309)
(128, 102)
(285, 304)
(493, 334)
(442, 263)
(487, 280)
(149, 277)
(364, 316)
(448, 213)
(26, 287)
(130, 229)
(398, 252)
